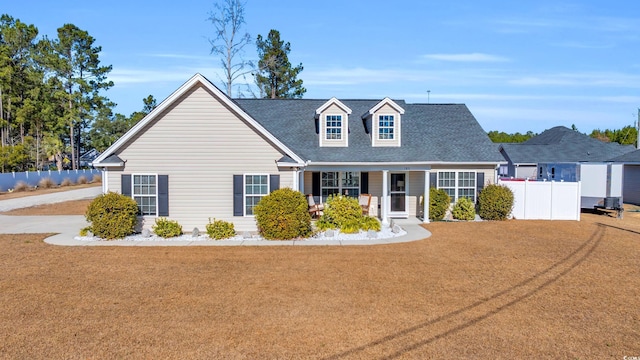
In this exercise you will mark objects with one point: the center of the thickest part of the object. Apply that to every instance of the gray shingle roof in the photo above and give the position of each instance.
(561, 144)
(630, 157)
(430, 132)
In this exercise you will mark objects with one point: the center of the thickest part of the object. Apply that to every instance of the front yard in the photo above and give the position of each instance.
(514, 289)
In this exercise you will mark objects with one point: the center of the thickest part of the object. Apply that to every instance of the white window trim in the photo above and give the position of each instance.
(244, 191)
(340, 188)
(342, 120)
(375, 133)
(394, 127)
(456, 178)
(133, 194)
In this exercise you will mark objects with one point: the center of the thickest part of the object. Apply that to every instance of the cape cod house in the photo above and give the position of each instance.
(202, 155)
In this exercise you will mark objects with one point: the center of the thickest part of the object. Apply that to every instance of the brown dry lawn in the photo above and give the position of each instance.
(517, 289)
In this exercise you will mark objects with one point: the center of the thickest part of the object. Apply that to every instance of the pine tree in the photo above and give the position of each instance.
(276, 78)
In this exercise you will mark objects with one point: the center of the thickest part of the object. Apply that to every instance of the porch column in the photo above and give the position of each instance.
(385, 197)
(301, 181)
(425, 199)
(295, 185)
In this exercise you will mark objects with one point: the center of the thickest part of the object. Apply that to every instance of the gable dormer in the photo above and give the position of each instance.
(384, 123)
(333, 123)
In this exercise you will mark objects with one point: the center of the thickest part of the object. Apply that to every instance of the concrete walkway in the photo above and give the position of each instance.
(68, 227)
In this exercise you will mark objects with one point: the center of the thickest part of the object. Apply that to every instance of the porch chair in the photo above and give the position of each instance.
(314, 209)
(365, 203)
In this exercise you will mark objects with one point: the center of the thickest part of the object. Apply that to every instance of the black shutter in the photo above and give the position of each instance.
(479, 183)
(315, 183)
(125, 185)
(274, 182)
(163, 195)
(433, 180)
(364, 183)
(237, 195)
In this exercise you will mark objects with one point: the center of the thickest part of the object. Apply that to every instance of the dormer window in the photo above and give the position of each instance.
(333, 126)
(332, 123)
(385, 127)
(383, 123)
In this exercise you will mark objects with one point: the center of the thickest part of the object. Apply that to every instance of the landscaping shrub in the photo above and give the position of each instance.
(112, 215)
(82, 180)
(370, 223)
(283, 215)
(464, 209)
(167, 228)
(46, 183)
(21, 186)
(495, 202)
(341, 210)
(439, 202)
(220, 229)
(345, 213)
(96, 178)
(66, 182)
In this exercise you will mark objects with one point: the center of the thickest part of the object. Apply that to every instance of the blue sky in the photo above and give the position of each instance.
(518, 65)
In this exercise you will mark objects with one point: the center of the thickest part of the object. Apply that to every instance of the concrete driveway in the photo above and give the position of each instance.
(65, 224)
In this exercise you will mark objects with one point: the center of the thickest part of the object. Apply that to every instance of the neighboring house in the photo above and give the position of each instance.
(88, 157)
(557, 145)
(631, 182)
(201, 155)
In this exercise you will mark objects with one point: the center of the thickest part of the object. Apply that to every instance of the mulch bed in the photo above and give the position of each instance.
(515, 289)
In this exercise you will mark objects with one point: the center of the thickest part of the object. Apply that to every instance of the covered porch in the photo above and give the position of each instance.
(397, 190)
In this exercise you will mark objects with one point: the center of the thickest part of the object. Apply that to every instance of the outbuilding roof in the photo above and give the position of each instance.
(561, 144)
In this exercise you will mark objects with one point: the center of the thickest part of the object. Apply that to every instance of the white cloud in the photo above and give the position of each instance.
(595, 79)
(471, 57)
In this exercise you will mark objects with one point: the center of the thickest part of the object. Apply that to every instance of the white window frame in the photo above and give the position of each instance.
(340, 180)
(327, 127)
(392, 127)
(457, 187)
(134, 194)
(245, 196)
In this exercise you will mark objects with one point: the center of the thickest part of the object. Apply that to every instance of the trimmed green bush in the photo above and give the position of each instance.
(112, 216)
(322, 224)
(439, 202)
(283, 215)
(495, 202)
(220, 229)
(464, 209)
(167, 228)
(341, 210)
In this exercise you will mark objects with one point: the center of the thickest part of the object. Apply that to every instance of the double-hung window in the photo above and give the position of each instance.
(333, 126)
(386, 127)
(145, 193)
(255, 187)
(340, 182)
(458, 184)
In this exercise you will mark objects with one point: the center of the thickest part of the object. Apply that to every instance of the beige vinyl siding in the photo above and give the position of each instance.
(200, 144)
(386, 110)
(334, 110)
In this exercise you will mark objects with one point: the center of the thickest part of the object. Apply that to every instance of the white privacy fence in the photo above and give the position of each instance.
(31, 178)
(544, 200)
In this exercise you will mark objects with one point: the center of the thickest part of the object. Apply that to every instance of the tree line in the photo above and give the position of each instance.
(628, 135)
(52, 102)
(52, 106)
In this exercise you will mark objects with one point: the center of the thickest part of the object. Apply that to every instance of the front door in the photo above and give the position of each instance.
(398, 194)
